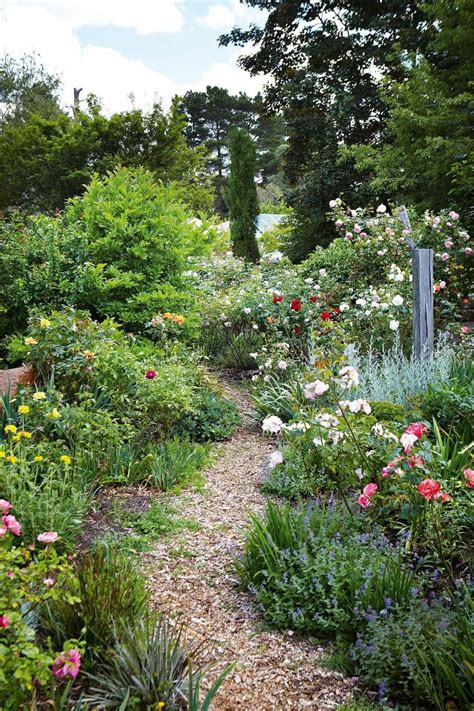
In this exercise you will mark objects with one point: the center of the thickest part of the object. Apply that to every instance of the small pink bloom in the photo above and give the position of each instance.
(5, 506)
(49, 582)
(3, 531)
(453, 215)
(67, 664)
(370, 489)
(4, 621)
(363, 234)
(339, 223)
(150, 374)
(415, 461)
(445, 256)
(408, 440)
(442, 496)
(467, 250)
(363, 501)
(469, 477)
(9, 573)
(12, 524)
(48, 537)
(464, 330)
(348, 235)
(448, 244)
(417, 428)
(429, 488)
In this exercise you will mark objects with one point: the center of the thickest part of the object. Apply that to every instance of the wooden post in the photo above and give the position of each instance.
(423, 326)
(422, 275)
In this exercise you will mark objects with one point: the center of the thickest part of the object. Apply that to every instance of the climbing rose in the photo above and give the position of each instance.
(12, 525)
(428, 488)
(277, 298)
(5, 506)
(469, 477)
(272, 424)
(150, 374)
(296, 304)
(311, 390)
(363, 501)
(67, 664)
(370, 489)
(325, 316)
(416, 428)
(4, 621)
(48, 537)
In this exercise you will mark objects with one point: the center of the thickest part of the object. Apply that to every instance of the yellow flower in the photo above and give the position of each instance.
(24, 409)
(16, 438)
(10, 428)
(65, 459)
(88, 355)
(179, 319)
(40, 395)
(167, 314)
(44, 323)
(2, 454)
(24, 434)
(30, 341)
(160, 706)
(54, 414)
(12, 459)
(39, 458)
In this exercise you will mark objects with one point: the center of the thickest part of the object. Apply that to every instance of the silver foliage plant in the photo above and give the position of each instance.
(395, 377)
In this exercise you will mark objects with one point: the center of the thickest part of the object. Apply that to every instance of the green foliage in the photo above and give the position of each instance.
(26, 88)
(423, 655)
(242, 196)
(173, 463)
(451, 402)
(109, 596)
(313, 570)
(213, 418)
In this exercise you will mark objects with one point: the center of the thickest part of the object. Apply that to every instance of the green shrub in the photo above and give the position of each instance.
(111, 596)
(422, 655)
(172, 462)
(214, 418)
(451, 403)
(314, 570)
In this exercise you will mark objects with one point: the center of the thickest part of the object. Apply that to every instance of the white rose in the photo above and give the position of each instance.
(397, 300)
(394, 325)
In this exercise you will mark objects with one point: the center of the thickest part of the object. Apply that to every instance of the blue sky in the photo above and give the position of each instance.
(151, 48)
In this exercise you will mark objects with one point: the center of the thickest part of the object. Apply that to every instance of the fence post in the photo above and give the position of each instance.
(423, 326)
(422, 275)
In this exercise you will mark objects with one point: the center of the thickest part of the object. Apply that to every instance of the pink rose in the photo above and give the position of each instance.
(448, 244)
(4, 621)
(445, 256)
(417, 428)
(429, 488)
(67, 664)
(453, 215)
(363, 501)
(467, 250)
(370, 489)
(408, 440)
(5, 506)
(48, 537)
(12, 525)
(150, 374)
(469, 477)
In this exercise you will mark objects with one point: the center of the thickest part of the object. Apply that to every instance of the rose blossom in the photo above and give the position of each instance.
(363, 501)
(48, 537)
(469, 477)
(275, 459)
(369, 489)
(428, 488)
(5, 506)
(453, 215)
(467, 250)
(150, 374)
(277, 298)
(272, 424)
(417, 428)
(296, 305)
(315, 388)
(408, 440)
(12, 525)
(445, 256)
(282, 364)
(67, 664)
(4, 621)
(349, 377)
(325, 315)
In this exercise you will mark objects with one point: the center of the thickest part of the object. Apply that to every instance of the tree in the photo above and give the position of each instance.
(426, 159)
(26, 88)
(325, 59)
(242, 195)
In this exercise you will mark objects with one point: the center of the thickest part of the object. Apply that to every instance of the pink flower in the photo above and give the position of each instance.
(445, 256)
(339, 223)
(363, 501)
(150, 374)
(314, 389)
(5, 506)
(67, 664)
(453, 215)
(429, 488)
(12, 525)
(49, 582)
(391, 466)
(415, 461)
(48, 537)
(469, 477)
(442, 496)
(417, 428)
(3, 531)
(348, 235)
(467, 250)
(408, 440)
(370, 489)
(4, 621)
(448, 244)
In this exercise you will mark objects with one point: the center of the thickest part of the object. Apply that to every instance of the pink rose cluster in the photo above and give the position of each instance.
(9, 522)
(412, 434)
(367, 493)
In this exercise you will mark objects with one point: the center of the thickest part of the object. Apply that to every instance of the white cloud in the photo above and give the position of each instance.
(223, 16)
(144, 16)
(101, 70)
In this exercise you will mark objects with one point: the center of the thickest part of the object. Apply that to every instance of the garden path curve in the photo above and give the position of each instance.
(193, 576)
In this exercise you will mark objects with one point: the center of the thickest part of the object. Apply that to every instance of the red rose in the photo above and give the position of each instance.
(428, 488)
(313, 299)
(297, 329)
(150, 374)
(417, 429)
(326, 316)
(277, 298)
(296, 304)
(336, 310)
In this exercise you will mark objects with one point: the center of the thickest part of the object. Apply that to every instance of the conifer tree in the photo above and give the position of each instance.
(242, 195)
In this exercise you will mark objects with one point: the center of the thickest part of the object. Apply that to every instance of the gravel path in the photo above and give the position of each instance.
(192, 577)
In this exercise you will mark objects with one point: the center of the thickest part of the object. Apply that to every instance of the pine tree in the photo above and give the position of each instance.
(242, 195)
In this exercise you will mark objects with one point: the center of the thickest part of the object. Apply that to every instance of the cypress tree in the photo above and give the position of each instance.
(242, 195)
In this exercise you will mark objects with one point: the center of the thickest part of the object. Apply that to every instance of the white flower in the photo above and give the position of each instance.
(332, 203)
(254, 378)
(323, 272)
(360, 406)
(349, 377)
(335, 436)
(394, 324)
(311, 390)
(397, 300)
(247, 310)
(255, 327)
(272, 424)
(309, 280)
(303, 426)
(361, 302)
(282, 364)
(381, 209)
(228, 324)
(253, 355)
(343, 307)
(275, 459)
(408, 440)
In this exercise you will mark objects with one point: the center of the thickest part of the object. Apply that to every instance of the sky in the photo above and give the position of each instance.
(152, 49)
